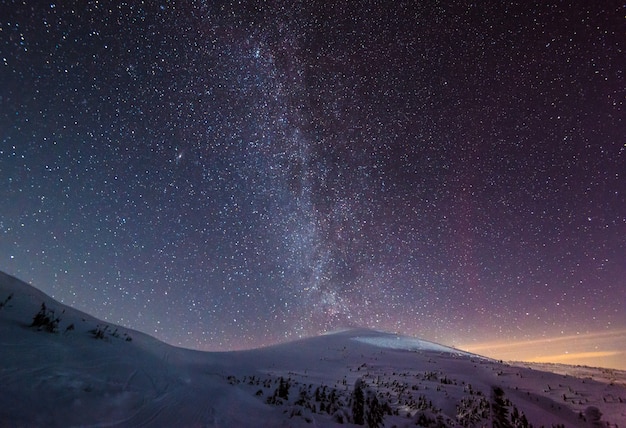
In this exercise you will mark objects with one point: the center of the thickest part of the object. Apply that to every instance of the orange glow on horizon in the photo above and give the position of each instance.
(602, 349)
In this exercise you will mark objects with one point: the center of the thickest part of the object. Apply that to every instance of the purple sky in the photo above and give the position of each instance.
(225, 176)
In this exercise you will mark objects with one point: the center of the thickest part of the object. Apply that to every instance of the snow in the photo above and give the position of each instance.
(408, 344)
(71, 378)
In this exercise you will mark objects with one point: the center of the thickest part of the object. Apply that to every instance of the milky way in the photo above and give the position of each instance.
(225, 175)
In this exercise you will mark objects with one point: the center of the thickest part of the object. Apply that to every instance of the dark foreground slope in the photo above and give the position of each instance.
(79, 371)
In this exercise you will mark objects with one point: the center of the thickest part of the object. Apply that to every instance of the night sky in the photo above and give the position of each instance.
(227, 175)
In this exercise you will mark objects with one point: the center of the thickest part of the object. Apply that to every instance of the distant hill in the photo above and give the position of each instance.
(61, 367)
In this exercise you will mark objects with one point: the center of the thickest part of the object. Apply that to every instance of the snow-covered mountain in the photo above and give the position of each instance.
(61, 367)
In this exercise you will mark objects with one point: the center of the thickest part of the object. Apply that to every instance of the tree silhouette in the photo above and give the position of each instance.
(358, 403)
(499, 410)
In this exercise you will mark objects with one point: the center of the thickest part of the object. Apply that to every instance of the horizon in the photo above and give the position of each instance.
(530, 351)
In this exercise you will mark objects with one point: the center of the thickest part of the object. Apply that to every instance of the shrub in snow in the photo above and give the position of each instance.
(104, 333)
(46, 320)
(593, 416)
(471, 410)
(6, 301)
(99, 332)
(340, 416)
(425, 419)
(303, 398)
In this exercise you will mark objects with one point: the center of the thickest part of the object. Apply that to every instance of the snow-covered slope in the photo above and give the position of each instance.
(80, 371)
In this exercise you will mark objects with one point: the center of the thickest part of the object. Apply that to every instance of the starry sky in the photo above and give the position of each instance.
(232, 174)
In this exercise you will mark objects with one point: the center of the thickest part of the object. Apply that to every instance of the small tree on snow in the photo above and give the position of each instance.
(358, 403)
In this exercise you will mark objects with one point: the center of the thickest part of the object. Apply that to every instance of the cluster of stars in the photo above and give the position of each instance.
(232, 175)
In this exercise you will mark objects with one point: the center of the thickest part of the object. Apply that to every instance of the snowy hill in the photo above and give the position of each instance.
(71, 369)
